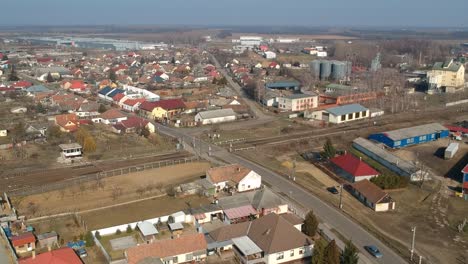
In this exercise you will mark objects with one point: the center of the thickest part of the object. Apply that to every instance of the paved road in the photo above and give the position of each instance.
(324, 211)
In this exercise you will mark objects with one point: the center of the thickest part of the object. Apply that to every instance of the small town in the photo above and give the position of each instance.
(193, 138)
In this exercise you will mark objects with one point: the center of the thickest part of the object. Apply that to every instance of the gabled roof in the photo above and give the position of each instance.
(353, 165)
(118, 97)
(112, 114)
(346, 109)
(266, 199)
(217, 113)
(23, 239)
(369, 190)
(240, 212)
(448, 65)
(167, 248)
(147, 228)
(170, 104)
(133, 102)
(415, 131)
(134, 122)
(64, 255)
(105, 90)
(234, 173)
(115, 92)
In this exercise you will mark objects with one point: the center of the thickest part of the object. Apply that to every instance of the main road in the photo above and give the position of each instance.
(328, 214)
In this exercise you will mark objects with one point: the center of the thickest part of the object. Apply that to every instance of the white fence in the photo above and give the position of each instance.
(456, 103)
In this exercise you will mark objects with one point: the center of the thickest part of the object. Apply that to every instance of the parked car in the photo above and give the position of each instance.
(333, 190)
(374, 251)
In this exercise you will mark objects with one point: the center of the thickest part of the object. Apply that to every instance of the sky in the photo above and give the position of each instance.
(379, 13)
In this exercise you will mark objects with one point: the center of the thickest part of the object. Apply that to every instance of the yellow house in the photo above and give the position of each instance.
(449, 76)
(164, 109)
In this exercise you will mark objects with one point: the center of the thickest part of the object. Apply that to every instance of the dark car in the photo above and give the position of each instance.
(332, 190)
(374, 251)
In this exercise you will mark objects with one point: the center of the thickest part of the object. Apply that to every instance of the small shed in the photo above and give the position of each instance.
(178, 217)
(147, 231)
(49, 239)
(72, 150)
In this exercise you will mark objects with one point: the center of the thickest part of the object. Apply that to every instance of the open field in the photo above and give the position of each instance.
(432, 208)
(108, 191)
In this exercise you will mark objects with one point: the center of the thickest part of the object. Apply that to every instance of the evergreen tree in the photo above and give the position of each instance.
(13, 77)
(350, 253)
(319, 252)
(310, 224)
(329, 150)
(112, 75)
(332, 253)
(50, 79)
(173, 60)
(102, 108)
(89, 239)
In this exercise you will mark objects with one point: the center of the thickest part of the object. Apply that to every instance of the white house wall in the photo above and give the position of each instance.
(307, 252)
(251, 181)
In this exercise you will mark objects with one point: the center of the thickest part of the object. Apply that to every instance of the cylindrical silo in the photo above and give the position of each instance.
(325, 69)
(315, 68)
(338, 70)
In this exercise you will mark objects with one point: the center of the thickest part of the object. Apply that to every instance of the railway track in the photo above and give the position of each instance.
(19, 180)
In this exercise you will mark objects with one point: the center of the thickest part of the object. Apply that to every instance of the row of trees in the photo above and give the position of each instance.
(329, 253)
(389, 181)
(86, 140)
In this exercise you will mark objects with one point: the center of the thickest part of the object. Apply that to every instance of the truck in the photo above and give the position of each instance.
(451, 150)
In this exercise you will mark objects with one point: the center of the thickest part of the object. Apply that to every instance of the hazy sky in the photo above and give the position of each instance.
(448, 13)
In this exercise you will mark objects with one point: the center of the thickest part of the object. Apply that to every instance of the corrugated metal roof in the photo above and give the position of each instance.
(217, 113)
(147, 229)
(239, 212)
(416, 131)
(246, 245)
(346, 109)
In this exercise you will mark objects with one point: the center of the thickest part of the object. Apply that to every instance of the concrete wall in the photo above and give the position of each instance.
(306, 252)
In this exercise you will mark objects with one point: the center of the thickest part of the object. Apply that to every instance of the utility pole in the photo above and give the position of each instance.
(413, 229)
(341, 196)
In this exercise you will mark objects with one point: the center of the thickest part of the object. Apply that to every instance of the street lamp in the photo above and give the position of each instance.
(341, 196)
(413, 229)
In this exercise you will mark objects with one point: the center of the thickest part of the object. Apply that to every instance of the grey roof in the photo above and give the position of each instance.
(407, 168)
(246, 245)
(265, 198)
(70, 146)
(217, 113)
(176, 226)
(46, 235)
(37, 89)
(147, 229)
(346, 109)
(416, 131)
(449, 65)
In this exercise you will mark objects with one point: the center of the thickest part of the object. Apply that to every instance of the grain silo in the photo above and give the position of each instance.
(315, 68)
(338, 70)
(325, 69)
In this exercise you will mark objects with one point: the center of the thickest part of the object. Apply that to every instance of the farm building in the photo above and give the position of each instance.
(340, 114)
(215, 116)
(392, 162)
(372, 196)
(411, 136)
(353, 168)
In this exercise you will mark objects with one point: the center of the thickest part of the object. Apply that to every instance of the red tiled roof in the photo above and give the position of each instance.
(23, 239)
(22, 84)
(167, 248)
(134, 121)
(354, 166)
(62, 120)
(169, 104)
(64, 255)
(234, 172)
(118, 97)
(465, 185)
(132, 102)
(457, 129)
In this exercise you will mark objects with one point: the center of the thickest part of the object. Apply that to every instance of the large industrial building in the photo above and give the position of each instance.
(397, 165)
(331, 70)
(411, 136)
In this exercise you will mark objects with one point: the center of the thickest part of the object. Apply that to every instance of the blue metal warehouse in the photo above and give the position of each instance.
(404, 137)
(292, 85)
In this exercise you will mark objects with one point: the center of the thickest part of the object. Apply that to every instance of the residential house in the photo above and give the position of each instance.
(47, 240)
(372, 196)
(236, 176)
(88, 110)
(184, 249)
(353, 168)
(132, 124)
(215, 116)
(23, 243)
(112, 117)
(71, 150)
(270, 239)
(67, 122)
(162, 110)
(340, 114)
(64, 255)
(448, 76)
(132, 105)
(297, 102)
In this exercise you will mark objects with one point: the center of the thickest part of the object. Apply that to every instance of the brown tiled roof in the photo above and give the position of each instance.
(167, 248)
(292, 218)
(273, 233)
(112, 114)
(369, 190)
(230, 231)
(233, 173)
